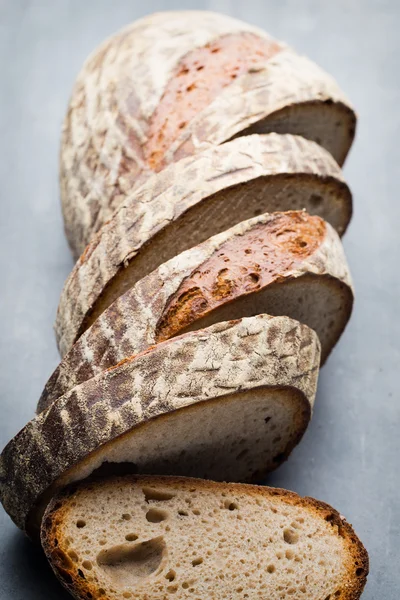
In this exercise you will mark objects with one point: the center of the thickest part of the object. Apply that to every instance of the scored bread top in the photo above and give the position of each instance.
(208, 364)
(189, 201)
(245, 260)
(123, 535)
(169, 85)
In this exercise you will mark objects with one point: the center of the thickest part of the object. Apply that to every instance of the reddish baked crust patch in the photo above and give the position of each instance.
(198, 79)
(243, 265)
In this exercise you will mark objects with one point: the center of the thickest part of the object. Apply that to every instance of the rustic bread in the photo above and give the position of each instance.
(227, 402)
(170, 85)
(190, 201)
(280, 264)
(156, 537)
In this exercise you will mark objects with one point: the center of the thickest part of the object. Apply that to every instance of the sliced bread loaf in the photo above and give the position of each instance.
(228, 402)
(280, 264)
(187, 203)
(159, 537)
(168, 86)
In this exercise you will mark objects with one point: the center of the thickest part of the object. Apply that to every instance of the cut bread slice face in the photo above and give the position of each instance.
(227, 402)
(187, 203)
(154, 537)
(169, 86)
(281, 264)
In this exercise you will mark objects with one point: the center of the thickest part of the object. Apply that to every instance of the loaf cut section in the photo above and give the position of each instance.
(191, 201)
(141, 537)
(169, 86)
(228, 402)
(281, 264)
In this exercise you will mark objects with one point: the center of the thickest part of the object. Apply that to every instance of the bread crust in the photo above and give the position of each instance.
(222, 175)
(115, 99)
(357, 557)
(246, 354)
(251, 257)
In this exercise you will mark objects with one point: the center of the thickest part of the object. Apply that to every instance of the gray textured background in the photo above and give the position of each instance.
(351, 452)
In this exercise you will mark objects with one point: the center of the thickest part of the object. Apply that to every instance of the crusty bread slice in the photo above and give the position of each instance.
(191, 201)
(161, 537)
(167, 87)
(280, 264)
(226, 402)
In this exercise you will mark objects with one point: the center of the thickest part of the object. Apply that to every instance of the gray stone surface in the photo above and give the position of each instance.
(350, 454)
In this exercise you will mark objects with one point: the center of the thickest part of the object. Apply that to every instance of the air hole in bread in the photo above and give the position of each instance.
(197, 561)
(156, 495)
(253, 278)
(290, 536)
(131, 537)
(231, 505)
(271, 569)
(170, 575)
(155, 515)
(87, 565)
(330, 517)
(80, 523)
(127, 564)
(126, 517)
(359, 572)
(73, 555)
(62, 559)
(183, 513)
(172, 589)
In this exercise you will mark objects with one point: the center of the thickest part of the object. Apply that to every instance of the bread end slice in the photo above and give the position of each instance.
(154, 537)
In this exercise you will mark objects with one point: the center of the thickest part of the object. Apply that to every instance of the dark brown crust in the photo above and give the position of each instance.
(357, 563)
(241, 266)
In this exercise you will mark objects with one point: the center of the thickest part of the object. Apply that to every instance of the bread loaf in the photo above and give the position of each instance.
(187, 203)
(152, 537)
(228, 402)
(280, 264)
(170, 85)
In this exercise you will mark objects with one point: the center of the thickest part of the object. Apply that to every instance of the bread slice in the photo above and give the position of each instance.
(283, 263)
(160, 537)
(170, 85)
(227, 402)
(191, 201)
